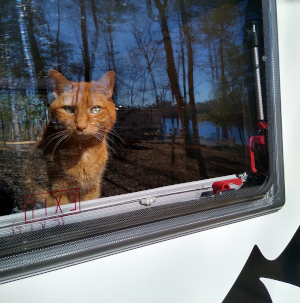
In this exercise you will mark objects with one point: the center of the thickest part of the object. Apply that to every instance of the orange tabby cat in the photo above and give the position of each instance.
(73, 150)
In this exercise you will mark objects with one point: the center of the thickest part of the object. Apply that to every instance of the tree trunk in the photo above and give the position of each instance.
(37, 61)
(153, 83)
(224, 84)
(173, 137)
(3, 131)
(216, 63)
(171, 68)
(144, 88)
(16, 136)
(183, 63)
(57, 39)
(211, 61)
(192, 103)
(96, 37)
(172, 72)
(112, 57)
(28, 118)
(15, 119)
(225, 132)
(187, 134)
(221, 54)
(85, 54)
(241, 136)
(217, 132)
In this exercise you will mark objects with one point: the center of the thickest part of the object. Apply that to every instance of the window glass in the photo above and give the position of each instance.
(182, 94)
(146, 104)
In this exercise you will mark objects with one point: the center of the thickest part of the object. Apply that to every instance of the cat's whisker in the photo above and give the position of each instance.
(101, 139)
(58, 142)
(111, 130)
(98, 136)
(52, 126)
(57, 136)
(115, 134)
(108, 132)
(111, 149)
(60, 132)
(70, 135)
(116, 143)
(106, 129)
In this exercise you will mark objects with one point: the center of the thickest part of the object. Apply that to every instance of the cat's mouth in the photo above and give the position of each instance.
(81, 135)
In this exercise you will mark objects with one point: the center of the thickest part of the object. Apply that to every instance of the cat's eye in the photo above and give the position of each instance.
(95, 110)
(69, 109)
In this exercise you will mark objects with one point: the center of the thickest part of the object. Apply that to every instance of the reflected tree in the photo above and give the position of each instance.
(174, 79)
(191, 92)
(221, 31)
(147, 47)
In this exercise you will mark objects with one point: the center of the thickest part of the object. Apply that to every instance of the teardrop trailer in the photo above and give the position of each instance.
(205, 244)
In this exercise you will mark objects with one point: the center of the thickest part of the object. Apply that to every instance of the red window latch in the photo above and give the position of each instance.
(225, 185)
(256, 141)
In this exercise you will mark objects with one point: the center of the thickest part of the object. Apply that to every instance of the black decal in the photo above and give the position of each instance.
(286, 268)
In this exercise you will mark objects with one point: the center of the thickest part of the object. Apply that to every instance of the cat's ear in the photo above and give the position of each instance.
(105, 84)
(59, 83)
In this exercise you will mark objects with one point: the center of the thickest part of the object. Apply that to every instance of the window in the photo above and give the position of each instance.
(128, 122)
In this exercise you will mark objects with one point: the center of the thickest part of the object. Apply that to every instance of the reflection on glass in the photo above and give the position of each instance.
(184, 93)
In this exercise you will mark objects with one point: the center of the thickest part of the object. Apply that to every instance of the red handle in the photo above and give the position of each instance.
(260, 140)
(224, 185)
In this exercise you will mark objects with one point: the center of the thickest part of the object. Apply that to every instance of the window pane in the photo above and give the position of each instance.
(160, 109)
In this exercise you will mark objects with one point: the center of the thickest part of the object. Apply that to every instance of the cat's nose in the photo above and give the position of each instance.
(80, 127)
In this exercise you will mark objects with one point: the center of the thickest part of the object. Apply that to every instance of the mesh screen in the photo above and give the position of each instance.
(145, 197)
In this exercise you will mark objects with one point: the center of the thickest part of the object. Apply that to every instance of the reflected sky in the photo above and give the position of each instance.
(58, 33)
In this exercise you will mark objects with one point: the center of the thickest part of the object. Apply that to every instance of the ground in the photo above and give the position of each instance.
(131, 168)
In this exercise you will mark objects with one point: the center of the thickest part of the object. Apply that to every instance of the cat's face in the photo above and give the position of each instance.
(83, 109)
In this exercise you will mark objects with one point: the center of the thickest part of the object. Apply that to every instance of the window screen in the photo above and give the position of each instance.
(128, 122)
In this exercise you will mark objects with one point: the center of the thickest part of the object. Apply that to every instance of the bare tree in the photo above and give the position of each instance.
(85, 44)
(192, 103)
(148, 47)
(220, 36)
(171, 68)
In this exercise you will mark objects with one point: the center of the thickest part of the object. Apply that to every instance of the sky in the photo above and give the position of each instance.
(124, 42)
